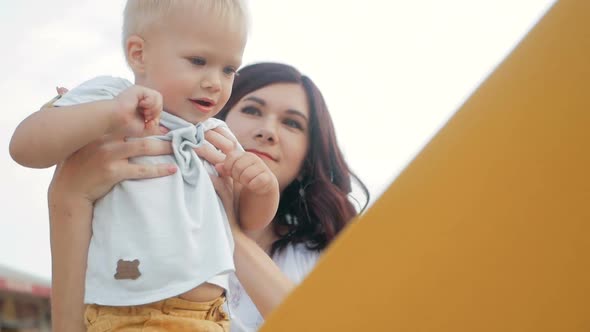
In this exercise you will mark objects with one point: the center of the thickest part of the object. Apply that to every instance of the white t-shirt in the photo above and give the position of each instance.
(296, 261)
(156, 238)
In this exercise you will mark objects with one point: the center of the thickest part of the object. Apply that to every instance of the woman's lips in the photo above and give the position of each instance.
(261, 154)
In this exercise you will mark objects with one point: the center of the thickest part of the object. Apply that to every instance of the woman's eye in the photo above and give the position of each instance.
(197, 61)
(293, 124)
(250, 110)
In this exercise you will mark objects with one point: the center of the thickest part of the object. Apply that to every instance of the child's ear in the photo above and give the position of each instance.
(134, 51)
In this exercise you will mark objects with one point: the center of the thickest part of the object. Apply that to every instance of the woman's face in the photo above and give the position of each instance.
(273, 123)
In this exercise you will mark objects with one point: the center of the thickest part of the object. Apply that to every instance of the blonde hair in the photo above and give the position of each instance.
(140, 15)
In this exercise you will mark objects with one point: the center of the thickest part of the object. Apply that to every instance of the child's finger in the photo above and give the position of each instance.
(158, 107)
(221, 170)
(152, 128)
(241, 163)
(261, 183)
(228, 163)
(148, 109)
(249, 174)
(210, 154)
(146, 101)
(220, 141)
(225, 133)
(61, 90)
(151, 103)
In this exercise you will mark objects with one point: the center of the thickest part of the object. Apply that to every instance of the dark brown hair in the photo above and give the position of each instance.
(316, 214)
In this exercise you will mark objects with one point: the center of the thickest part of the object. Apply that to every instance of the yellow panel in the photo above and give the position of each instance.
(488, 229)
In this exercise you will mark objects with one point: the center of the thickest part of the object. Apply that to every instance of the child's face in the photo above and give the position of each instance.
(191, 61)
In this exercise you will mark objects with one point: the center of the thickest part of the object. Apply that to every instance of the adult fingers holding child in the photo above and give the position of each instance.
(107, 160)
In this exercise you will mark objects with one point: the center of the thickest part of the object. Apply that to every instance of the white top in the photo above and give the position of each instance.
(296, 261)
(156, 238)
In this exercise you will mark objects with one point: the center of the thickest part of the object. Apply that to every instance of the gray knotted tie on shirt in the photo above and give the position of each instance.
(184, 136)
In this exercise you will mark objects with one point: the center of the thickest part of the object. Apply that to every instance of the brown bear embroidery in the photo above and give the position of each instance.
(127, 269)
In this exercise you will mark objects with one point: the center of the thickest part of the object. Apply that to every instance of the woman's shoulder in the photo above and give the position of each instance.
(296, 260)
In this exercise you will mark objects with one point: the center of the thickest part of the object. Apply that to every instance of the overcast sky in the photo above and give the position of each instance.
(392, 73)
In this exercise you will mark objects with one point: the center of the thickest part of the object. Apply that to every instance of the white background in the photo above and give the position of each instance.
(392, 73)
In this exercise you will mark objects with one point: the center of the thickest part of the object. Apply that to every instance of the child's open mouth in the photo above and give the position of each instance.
(204, 102)
(204, 105)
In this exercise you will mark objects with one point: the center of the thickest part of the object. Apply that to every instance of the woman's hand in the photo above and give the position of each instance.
(224, 185)
(92, 171)
(222, 144)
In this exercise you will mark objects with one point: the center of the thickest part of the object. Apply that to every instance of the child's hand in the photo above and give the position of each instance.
(61, 90)
(138, 112)
(250, 171)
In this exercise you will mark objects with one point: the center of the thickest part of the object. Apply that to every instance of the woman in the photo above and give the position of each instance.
(278, 114)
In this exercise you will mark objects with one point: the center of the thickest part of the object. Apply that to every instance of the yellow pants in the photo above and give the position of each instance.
(173, 314)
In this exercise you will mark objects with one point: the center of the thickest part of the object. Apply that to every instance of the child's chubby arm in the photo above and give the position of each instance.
(257, 186)
(51, 134)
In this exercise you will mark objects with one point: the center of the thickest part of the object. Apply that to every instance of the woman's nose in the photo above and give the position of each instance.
(267, 134)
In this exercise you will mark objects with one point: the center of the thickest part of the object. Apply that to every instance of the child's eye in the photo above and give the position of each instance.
(230, 71)
(251, 110)
(197, 61)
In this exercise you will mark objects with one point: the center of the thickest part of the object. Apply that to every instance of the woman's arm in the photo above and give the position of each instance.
(70, 218)
(262, 279)
(81, 179)
(259, 189)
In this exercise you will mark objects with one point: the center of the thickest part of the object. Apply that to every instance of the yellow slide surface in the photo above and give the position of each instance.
(488, 229)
